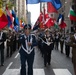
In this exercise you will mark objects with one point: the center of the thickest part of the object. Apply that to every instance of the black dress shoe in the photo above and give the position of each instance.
(67, 56)
(48, 63)
(2, 64)
(44, 65)
(61, 52)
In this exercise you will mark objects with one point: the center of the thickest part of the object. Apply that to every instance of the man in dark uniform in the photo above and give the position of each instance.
(9, 44)
(28, 42)
(40, 43)
(67, 47)
(14, 41)
(2, 40)
(57, 39)
(61, 41)
(72, 43)
(48, 47)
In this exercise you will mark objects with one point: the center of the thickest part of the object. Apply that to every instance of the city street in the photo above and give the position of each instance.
(60, 65)
(52, 22)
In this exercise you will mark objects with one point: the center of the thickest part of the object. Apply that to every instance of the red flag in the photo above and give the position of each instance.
(63, 25)
(51, 8)
(49, 22)
(41, 17)
(3, 21)
(73, 18)
(45, 15)
(41, 20)
(42, 25)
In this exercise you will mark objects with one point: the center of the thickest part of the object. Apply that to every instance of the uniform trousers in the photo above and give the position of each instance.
(2, 55)
(67, 50)
(47, 56)
(61, 46)
(56, 45)
(30, 59)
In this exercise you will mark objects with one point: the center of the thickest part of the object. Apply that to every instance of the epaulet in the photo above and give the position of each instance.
(33, 35)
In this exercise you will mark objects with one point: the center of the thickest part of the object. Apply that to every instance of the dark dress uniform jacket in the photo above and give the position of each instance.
(27, 53)
(23, 40)
(48, 47)
(73, 45)
(2, 40)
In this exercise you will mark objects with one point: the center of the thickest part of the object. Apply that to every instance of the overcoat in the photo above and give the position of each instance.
(73, 45)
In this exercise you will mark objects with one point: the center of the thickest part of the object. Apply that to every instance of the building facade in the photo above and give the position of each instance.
(65, 10)
(21, 9)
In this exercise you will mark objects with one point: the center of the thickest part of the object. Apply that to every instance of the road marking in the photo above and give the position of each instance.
(61, 72)
(11, 72)
(16, 55)
(9, 65)
(39, 72)
(17, 72)
(36, 71)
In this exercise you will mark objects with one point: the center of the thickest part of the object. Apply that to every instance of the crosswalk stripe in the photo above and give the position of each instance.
(16, 55)
(9, 65)
(37, 72)
(17, 72)
(61, 72)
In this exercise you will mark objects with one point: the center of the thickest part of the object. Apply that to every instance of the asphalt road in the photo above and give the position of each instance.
(60, 65)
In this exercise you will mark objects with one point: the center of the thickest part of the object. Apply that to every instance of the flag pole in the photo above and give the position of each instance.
(44, 13)
(27, 12)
